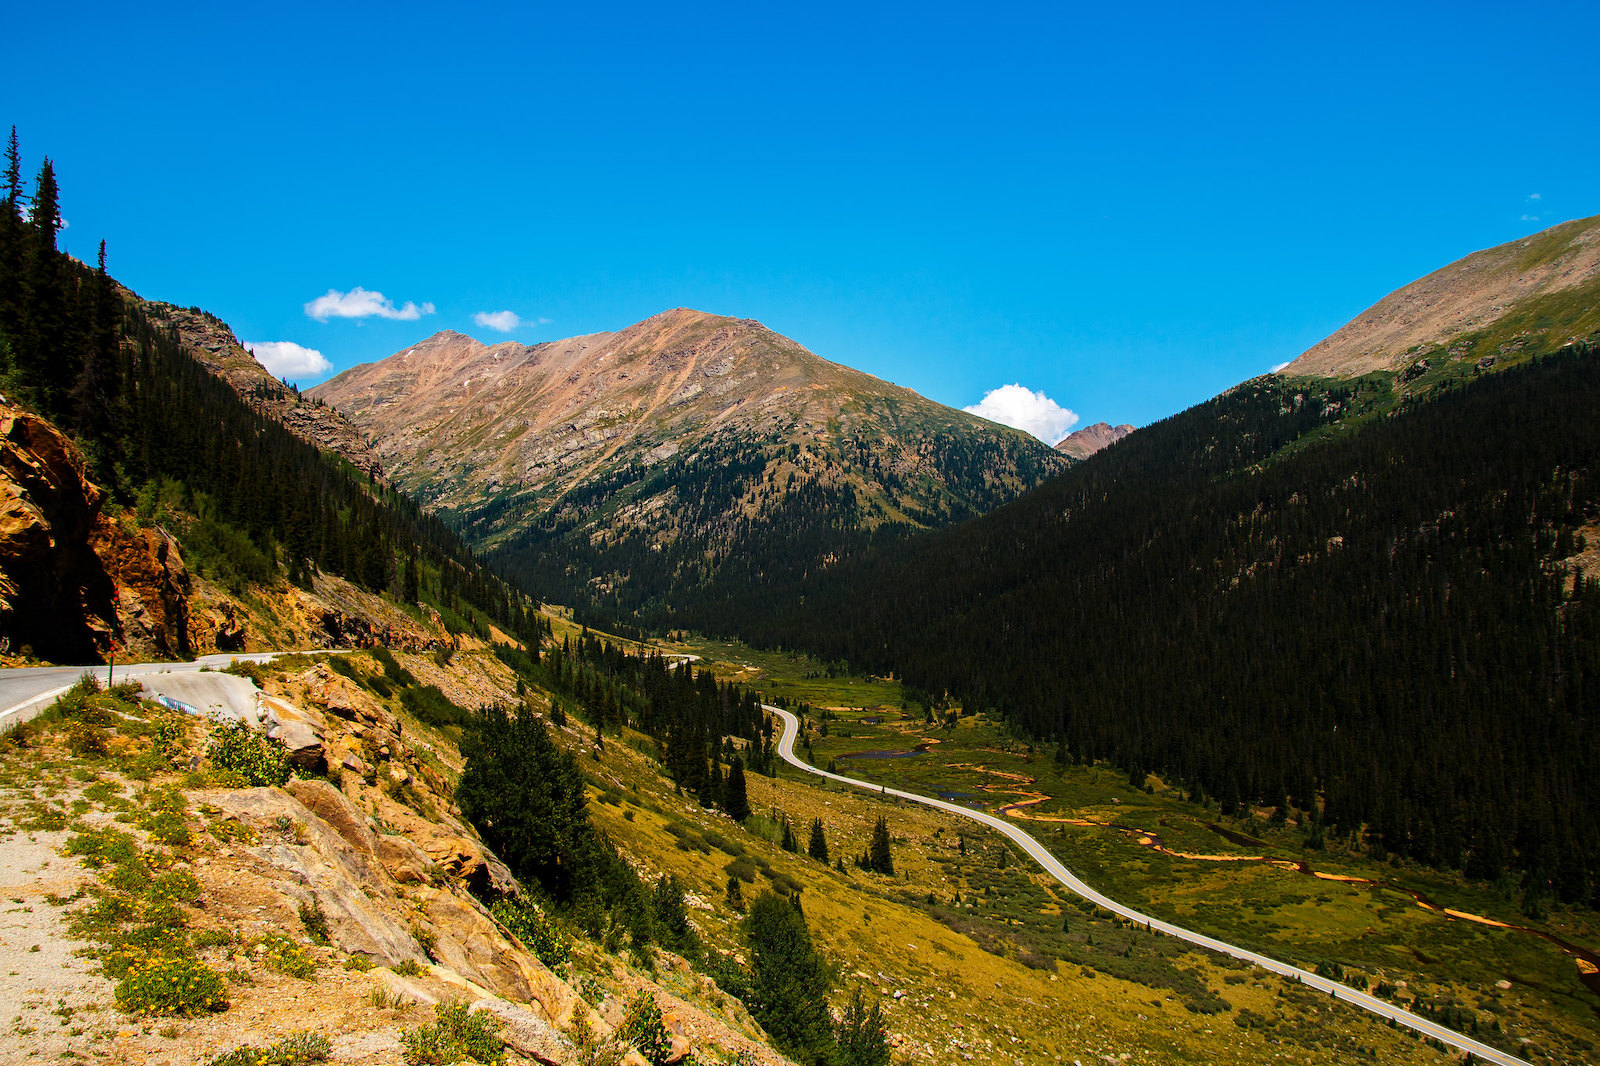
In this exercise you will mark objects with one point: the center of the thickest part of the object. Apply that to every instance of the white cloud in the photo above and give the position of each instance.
(1530, 218)
(500, 321)
(1533, 196)
(1024, 409)
(286, 359)
(1281, 365)
(359, 303)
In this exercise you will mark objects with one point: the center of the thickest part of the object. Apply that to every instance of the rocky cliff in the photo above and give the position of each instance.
(55, 593)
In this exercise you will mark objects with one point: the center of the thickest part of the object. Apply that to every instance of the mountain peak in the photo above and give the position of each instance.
(1090, 439)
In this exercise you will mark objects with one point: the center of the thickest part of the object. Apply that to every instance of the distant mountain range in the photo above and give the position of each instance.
(637, 468)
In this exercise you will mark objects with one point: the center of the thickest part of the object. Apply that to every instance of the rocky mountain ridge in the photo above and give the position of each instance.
(1493, 307)
(661, 445)
(213, 344)
(1083, 443)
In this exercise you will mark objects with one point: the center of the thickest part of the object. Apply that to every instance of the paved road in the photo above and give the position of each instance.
(26, 691)
(1052, 866)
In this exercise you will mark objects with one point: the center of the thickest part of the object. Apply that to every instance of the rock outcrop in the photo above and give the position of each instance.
(56, 598)
(152, 588)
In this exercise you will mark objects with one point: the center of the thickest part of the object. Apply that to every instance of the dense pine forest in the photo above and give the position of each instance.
(157, 427)
(1383, 628)
(630, 577)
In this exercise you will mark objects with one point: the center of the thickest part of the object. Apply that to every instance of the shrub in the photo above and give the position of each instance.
(315, 921)
(166, 828)
(284, 955)
(290, 1051)
(408, 968)
(456, 1035)
(103, 847)
(643, 1029)
(170, 986)
(528, 922)
(235, 748)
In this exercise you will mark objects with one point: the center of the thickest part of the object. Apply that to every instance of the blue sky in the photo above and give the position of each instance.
(1126, 208)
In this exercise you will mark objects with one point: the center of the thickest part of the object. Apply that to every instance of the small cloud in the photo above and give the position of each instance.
(1281, 365)
(1533, 196)
(359, 303)
(286, 359)
(1530, 218)
(499, 321)
(1022, 408)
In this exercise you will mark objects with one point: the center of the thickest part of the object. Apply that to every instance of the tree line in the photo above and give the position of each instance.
(1287, 597)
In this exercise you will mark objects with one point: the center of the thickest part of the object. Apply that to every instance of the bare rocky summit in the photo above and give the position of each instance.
(1083, 443)
(1528, 295)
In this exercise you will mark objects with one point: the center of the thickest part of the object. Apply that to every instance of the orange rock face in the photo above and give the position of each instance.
(75, 584)
(55, 596)
(152, 588)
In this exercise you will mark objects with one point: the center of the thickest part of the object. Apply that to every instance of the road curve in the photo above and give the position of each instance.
(26, 691)
(1053, 866)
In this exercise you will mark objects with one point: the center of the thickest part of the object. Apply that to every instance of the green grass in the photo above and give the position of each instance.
(1378, 931)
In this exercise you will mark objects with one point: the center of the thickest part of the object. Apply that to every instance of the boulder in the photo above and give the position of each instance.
(527, 1033)
(300, 730)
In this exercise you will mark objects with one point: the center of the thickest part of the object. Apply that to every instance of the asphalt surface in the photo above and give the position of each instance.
(1053, 866)
(26, 691)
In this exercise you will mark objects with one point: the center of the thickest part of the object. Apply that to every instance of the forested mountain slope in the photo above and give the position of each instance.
(1402, 619)
(638, 474)
(159, 430)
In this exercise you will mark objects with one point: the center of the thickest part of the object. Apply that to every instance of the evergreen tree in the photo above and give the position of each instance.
(13, 176)
(818, 847)
(672, 918)
(525, 795)
(789, 981)
(879, 858)
(861, 1035)
(789, 842)
(735, 800)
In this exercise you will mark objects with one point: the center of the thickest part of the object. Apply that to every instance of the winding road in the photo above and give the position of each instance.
(1053, 866)
(26, 691)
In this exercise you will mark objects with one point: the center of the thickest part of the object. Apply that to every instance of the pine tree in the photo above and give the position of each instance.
(862, 1038)
(879, 858)
(788, 980)
(734, 798)
(790, 842)
(672, 917)
(818, 848)
(13, 177)
(44, 211)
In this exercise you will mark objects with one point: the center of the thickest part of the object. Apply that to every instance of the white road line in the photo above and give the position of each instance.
(1052, 866)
